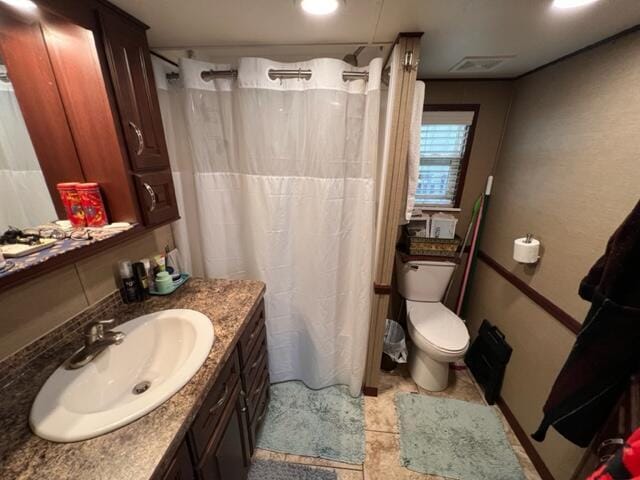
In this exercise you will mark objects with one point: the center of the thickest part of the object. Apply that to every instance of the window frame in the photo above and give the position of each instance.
(464, 162)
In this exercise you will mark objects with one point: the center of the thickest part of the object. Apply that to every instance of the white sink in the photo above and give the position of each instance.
(164, 349)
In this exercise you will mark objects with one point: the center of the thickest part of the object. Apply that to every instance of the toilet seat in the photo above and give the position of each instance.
(437, 327)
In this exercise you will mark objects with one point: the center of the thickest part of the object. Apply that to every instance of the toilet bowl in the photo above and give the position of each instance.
(438, 335)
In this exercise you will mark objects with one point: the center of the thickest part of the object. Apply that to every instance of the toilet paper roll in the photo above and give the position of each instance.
(524, 252)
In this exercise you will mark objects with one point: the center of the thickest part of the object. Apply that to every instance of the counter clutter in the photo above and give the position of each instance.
(144, 448)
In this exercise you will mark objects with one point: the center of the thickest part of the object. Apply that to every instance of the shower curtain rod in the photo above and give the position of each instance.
(274, 74)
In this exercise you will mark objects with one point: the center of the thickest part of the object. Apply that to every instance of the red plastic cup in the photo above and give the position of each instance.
(92, 204)
(71, 202)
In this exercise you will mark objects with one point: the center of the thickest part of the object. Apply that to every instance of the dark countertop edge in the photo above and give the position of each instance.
(180, 436)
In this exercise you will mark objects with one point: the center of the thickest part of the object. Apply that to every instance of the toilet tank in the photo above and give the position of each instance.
(423, 281)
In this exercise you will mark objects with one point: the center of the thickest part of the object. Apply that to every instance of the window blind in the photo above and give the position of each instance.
(443, 141)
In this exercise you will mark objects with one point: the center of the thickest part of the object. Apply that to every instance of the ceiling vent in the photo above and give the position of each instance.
(480, 64)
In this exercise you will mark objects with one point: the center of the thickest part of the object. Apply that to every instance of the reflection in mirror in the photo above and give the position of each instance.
(24, 198)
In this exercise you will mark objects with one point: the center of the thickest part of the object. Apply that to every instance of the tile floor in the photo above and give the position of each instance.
(382, 461)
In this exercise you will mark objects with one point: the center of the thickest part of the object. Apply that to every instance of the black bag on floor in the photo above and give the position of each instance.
(487, 360)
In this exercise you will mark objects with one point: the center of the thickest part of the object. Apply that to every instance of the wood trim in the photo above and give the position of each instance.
(522, 436)
(163, 58)
(543, 302)
(23, 48)
(615, 36)
(459, 107)
(74, 57)
(84, 13)
(404, 80)
(400, 36)
(370, 391)
(379, 289)
(451, 107)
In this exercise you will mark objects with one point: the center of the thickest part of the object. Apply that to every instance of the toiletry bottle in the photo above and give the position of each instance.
(160, 263)
(129, 287)
(142, 282)
(150, 273)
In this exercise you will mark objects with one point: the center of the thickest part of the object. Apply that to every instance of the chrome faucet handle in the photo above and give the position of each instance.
(95, 330)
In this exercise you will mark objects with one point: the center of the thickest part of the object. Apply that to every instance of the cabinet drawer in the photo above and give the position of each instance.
(218, 398)
(157, 197)
(260, 412)
(181, 467)
(255, 392)
(256, 358)
(252, 332)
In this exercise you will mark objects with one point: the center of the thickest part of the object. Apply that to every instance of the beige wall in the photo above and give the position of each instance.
(494, 98)
(540, 345)
(569, 173)
(35, 308)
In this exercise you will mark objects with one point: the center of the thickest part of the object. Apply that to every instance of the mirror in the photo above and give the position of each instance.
(24, 198)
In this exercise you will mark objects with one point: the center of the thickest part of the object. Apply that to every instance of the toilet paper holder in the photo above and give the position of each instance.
(526, 250)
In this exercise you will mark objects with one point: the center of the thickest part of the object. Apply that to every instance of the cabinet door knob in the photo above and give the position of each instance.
(220, 402)
(139, 136)
(261, 416)
(152, 194)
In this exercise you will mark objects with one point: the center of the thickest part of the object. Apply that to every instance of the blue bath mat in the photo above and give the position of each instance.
(269, 470)
(327, 423)
(454, 439)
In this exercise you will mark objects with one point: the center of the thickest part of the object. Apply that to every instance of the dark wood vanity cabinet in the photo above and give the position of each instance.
(132, 77)
(157, 196)
(227, 455)
(180, 467)
(255, 372)
(131, 73)
(83, 77)
(222, 436)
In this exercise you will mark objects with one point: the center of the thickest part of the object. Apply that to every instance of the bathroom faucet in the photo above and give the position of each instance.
(96, 340)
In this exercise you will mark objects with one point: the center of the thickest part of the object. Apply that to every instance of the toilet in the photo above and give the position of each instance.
(439, 336)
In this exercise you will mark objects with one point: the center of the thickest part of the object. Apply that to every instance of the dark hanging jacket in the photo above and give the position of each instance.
(607, 349)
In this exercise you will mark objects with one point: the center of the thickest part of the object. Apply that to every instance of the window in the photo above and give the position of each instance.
(445, 138)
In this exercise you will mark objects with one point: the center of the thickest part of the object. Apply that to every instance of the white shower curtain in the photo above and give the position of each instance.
(277, 184)
(413, 152)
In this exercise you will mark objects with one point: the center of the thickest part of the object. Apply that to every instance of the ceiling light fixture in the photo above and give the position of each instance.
(319, 7)
(571, 3)
(20, 4)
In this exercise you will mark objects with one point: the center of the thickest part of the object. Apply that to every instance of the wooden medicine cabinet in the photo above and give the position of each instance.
(78, 103)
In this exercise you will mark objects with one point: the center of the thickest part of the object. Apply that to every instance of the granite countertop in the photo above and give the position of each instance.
(143, 448)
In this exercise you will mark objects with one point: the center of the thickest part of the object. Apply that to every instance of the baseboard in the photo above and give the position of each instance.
(370, 391)
(524, 439)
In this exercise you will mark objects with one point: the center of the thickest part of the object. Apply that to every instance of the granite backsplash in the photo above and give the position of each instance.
(13, 367)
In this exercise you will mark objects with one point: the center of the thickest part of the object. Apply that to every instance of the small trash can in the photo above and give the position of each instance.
(394, 350)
